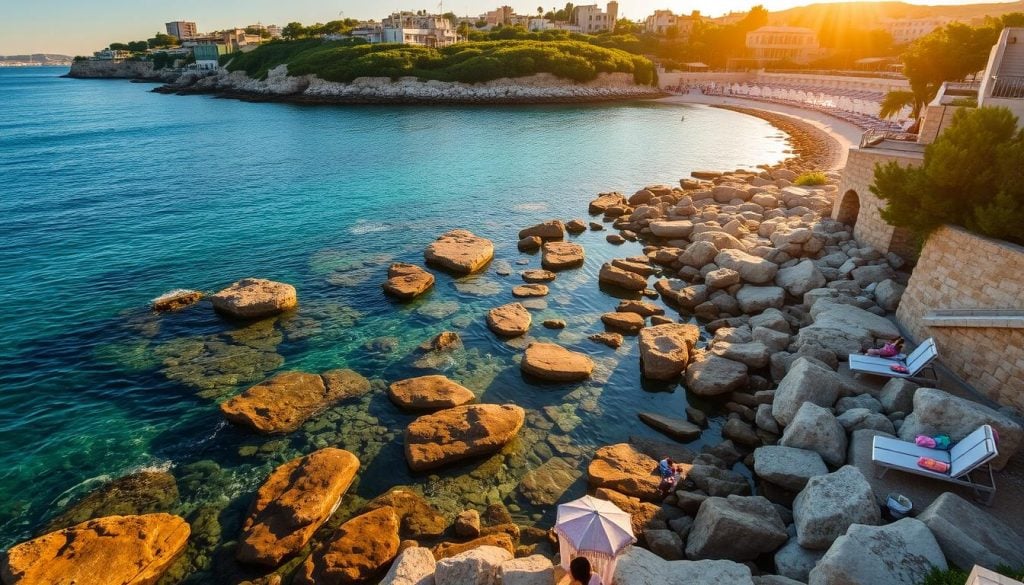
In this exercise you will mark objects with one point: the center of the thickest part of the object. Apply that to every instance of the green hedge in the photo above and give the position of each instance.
(470, 62)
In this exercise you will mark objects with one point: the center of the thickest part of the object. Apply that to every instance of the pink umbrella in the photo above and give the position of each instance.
(596, 529)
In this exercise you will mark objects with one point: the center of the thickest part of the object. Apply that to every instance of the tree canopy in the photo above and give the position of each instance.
(972, 175)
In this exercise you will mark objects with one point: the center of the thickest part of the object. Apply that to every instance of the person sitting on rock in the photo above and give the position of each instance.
(667, 469)
(579, 569)
(889, 350)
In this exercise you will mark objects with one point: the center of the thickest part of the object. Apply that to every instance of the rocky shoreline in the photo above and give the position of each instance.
(815, 149)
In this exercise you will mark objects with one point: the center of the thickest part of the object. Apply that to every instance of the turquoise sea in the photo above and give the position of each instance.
(112, 195)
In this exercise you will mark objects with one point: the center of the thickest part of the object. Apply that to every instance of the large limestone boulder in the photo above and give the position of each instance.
(606, 200)
(888, 294)
(623, 279)
(800, 278)
(478, 566)
(806, 381)
(711, 375)
(845, 329)
(437, 439)
(970, 536)
(459, 251)
(418, 518)
(293, 502)
(638, 566)
(624, 469)
(752, 269)
(429, 393)
(628, 323)
(358, 550)
(549, 230)
(407, 281)
(735, 528)
(254, 298)
(531, 570)
(787, 467)
(286, 401)
(665, 349)
(754, 354)
(902, 553)
(938, 412)
(755, 299)
(795, 562)
(495, 538)
(832, 503)
(554, 363)
(114, 549)
(511, 320)
(414, 566)
(677, 229)
(815, 428)
(698, 255)
(561, 255)
(640, 513)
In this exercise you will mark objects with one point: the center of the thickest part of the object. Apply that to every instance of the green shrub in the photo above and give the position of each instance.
(811, 178)
(947, 577)
(470, 62)
(972, 176)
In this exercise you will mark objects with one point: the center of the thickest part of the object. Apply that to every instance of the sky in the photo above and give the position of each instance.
(76, 27)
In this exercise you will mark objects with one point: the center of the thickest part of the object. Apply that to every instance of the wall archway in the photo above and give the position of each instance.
(849, 208)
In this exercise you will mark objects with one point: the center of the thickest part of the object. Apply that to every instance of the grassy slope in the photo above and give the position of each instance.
(469, 62)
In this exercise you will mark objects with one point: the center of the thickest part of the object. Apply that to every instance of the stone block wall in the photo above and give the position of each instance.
(857, 178)
(960, 270)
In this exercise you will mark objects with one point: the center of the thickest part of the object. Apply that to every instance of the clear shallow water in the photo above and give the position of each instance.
(112, 195)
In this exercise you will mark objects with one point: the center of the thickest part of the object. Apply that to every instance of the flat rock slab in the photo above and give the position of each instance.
(620, 278)
(788, 467)
(293, 502)
(554, 363)
(460, 251)
(639, 566)
(511, 320)
(970, 536)
(530, 290)
(546, 485)
(115, 549)
(539, 275)
(407, 281)
(451, 435)
(712, 375)
(675, 427)
(429, 393)
(561, 255)
(255, 298)
(665, 349)
(626, 470)
(286, 401)
(642, 308)
(549, 230)
(630, 323)
(358, 550)
(737, 528)
(175, 300)
(902, 553)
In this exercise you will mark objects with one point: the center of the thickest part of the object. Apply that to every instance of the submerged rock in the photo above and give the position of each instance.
(407, 281)
(561, 255)
(435, 440)
(283, 403)
(429, 393)
(254, 298)
(145, 492)
(417, 517)
(115, 549)
(675, 427)
(547, 484)
(296, 499)
(358, 551)
(554, 363)
(460, 251)
(176, 300)
(511, 320)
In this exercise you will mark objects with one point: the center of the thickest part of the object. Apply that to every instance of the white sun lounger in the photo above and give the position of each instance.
(918, 360)
(971, 454)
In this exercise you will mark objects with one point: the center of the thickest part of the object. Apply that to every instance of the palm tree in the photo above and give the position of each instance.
(894, 101)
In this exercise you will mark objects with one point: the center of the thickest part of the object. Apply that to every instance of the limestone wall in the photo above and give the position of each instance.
(112, 70)
(855, 185)
(960, 270)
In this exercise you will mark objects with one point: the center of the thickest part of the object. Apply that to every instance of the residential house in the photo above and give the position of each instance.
(591, 19)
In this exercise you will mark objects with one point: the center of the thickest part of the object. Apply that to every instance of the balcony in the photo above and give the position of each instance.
(1008, 87)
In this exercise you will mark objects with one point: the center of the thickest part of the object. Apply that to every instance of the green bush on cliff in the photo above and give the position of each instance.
(471, 62)
(972, 176)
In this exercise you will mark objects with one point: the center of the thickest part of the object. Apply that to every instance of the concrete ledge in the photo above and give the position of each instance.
(1000, 319)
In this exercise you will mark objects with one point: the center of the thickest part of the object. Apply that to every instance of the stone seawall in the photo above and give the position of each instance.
(541, 88)
(960, 270)
(113, 70)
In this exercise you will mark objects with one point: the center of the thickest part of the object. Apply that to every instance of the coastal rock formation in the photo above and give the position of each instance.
(665, 349)
(414, 566)
(145, 492)
(531, 570)
(554, 363)
(639, 566)
(561, 255)
(549, 230)
(606, 200)
(460, 251)
(816, 429)
(407, 281)
(114, 549)
(429, 393)
(435, 440)
(511, 320)
(500, 540)
(845, 329)
(679, 429)
(624, 469)
(478, 566)
(737, 528)
(712, 375)
(358, 551)
(417, 517)
(806, 381)
(283, 403)
(787, 467)
(254, 298)
(629, 323)
(530, 290)
(539, 275)
(901, 553)
(176, 300)
(968, 536)
(545, 485)
(293, 502)
(623, 279)
(830, 504)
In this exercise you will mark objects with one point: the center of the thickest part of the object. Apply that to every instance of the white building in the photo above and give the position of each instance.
(662, 21)
(906, 30)
(410, 29)
(1003, 84)
(770, 44)
(182, 29)
(591, 19)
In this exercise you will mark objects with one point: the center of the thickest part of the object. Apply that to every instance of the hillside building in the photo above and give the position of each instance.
(774, 44)
(591, 19)
(408, 28)
(665, 21)
(182, 29)
(906, 30)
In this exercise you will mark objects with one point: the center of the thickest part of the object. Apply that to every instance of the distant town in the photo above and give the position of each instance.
(689, 42)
